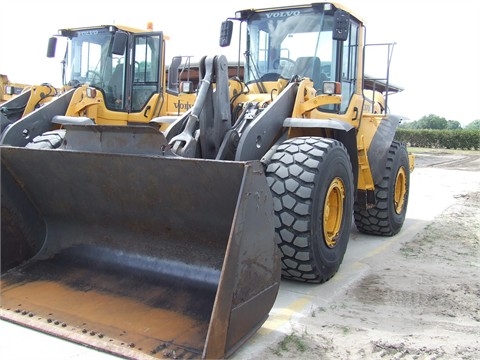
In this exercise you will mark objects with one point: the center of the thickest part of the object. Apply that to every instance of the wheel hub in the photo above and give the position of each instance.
(400, 190)
(333, 212)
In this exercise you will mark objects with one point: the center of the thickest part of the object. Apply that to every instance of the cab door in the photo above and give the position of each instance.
(145, 77)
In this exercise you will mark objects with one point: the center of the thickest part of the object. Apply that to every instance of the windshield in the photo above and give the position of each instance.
(287, 43)
(89, 59)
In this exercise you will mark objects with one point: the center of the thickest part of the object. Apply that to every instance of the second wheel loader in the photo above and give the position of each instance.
(111, 75)
(18, 100)
(157, 244)
(9, 90)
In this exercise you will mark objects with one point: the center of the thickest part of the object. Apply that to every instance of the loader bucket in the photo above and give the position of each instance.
(139, 256)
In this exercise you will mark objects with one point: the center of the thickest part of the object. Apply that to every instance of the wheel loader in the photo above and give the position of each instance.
(172, 243)
(25, 102)
(18, 100)
(111, 75)
(9, 90)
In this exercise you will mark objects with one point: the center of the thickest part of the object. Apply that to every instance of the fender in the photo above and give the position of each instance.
(380, 145)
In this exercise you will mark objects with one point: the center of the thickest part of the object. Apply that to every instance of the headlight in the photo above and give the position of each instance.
(332, 87)
(91, 93)
(9, 90)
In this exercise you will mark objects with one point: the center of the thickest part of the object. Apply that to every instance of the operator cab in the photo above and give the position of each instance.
(98, 57)
(316, 41)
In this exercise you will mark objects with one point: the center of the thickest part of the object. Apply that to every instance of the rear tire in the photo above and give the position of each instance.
(311, 181)
(391, 196)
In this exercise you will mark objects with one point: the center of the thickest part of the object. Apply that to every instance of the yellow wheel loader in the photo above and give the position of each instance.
(18, 100)
(172, 244)
(111, 75)
(9, 90)
(32, 98)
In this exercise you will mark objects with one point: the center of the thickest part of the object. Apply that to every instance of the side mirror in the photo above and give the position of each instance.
(52, 45)
(341, 25)
(226, 33)
(119, 43)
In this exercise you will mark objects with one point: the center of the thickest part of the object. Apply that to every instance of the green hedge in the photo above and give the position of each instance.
(440, 139)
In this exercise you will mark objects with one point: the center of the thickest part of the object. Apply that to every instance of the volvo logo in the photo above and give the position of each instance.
(283, 14)
(183, 106)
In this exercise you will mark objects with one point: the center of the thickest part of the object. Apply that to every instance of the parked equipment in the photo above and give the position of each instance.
(18, 100)
(112, 75)
(171, 243)
(9, 90)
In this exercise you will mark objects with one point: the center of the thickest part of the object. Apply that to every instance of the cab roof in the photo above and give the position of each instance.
(336, 5)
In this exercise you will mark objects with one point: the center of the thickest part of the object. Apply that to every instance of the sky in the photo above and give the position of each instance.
(436, 57)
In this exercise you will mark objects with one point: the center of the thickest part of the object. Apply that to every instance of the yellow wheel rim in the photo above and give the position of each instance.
(400, 190)
(333, 212)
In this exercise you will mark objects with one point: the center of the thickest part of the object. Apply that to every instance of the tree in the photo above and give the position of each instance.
(421, 123)
(474, 125)
(453, 125)
(408, 124)
(432, 122)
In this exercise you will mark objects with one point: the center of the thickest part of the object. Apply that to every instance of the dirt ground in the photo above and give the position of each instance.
(421, 301)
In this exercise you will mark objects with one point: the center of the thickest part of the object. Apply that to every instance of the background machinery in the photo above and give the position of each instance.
(172, 243)
(18, 100)
(111, 75)
(9, 90)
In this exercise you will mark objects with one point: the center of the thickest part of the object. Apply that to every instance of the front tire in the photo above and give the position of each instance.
(49, 140)
(311, 181)
(386, 218)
